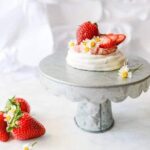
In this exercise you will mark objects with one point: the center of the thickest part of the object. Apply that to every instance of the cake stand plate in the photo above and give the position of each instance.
(93, 90)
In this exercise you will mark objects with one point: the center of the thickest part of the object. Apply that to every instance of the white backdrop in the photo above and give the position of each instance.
(28, 27)
(32, 29)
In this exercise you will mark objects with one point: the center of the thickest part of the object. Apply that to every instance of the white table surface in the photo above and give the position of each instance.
(131, 129)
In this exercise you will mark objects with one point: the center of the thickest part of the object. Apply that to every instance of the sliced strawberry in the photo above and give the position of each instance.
(94, 51)
(120, 38)
(4, 135)
(113, 37)
(106, 42)
(107, 51)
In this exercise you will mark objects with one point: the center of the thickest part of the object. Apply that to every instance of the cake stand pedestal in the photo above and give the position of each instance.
(93, 90)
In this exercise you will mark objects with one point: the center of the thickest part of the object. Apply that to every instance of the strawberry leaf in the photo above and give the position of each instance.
(9, 103)
(17, 114)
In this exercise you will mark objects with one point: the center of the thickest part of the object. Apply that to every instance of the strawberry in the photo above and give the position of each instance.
(20, 123)
(86, 30)
(27, 127)
(120, 38)
(113, 37)
(25, 107)
(106, 42)
(4, 135)
(110, 40)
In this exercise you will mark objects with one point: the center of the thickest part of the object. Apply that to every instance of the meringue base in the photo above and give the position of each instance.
(87, 61)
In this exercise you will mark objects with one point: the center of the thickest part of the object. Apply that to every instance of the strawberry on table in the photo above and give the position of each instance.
(4, 135)
(27, 128)
(23, 104)
(86, 30)
(23, 126)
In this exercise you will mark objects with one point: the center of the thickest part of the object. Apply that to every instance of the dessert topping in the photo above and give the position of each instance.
(86, 30)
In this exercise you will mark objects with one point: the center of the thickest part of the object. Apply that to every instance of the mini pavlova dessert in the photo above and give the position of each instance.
(94, 51)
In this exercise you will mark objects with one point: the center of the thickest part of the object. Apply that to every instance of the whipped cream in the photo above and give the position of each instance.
(87, 61)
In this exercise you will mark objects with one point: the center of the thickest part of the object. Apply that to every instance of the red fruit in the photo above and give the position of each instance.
(4, 135)
(20, 102)
(28, 128)
(113, 37)
(120, 38)
(106, 42)
(86, 30)
(24, 105)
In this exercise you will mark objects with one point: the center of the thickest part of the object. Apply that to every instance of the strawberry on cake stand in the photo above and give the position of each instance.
(90, 76)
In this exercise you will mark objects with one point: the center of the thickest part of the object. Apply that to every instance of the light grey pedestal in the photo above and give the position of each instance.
(93, 90)
(93, 117)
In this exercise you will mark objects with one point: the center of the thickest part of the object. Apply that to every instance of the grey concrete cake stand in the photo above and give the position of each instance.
(93, 90)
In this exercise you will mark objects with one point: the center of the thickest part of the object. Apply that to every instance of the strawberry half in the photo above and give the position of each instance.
(120, 38)
(23, 104)
(113, 37)
(4, 135)
(27, 128)
(106, 42)
(110, 40)
(86, 30)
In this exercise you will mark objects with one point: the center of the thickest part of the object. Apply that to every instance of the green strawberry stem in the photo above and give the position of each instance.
(17, 114)
(34, 144)
(9, 104)
(95, 24)
(133, 70)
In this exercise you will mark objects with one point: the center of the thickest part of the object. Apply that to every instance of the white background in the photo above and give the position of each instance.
(32, 29)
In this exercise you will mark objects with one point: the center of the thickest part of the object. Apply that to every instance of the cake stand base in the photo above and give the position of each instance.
(94, 117)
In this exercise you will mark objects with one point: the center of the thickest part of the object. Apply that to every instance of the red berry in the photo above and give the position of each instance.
(120, 38)
(106, 42)
(116, 38)
(86, 30)
(4, 136)
(20, 102)
(113, 37)
(24, 105)
(28, 128)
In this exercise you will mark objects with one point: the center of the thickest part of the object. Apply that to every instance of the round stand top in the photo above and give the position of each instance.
(54, 68)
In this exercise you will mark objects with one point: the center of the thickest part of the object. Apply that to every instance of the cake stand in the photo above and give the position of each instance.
(94, 91)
